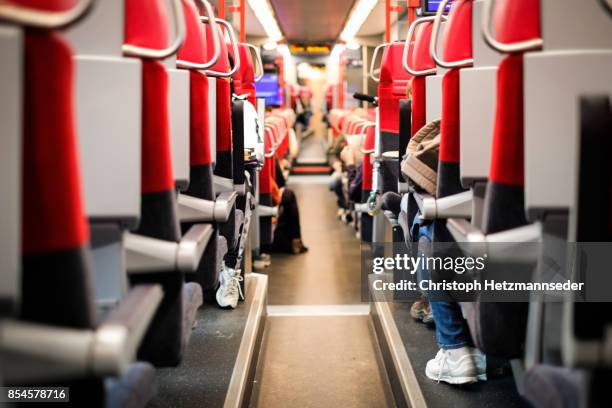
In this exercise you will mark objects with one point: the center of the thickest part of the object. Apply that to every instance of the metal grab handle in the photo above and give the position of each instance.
(44, 19)
(374, 55)
(362, 136)
(179, 25)
(522, 46)
(433, 44)
(274, 145)
(258, 61)
(216, 42)
(232, 35)
(411, 32)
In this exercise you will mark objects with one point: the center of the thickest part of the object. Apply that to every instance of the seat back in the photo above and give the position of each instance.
(392, 87)
(223, 165)
(570, 46)
(108, 116)
(244, 80)
(195, 50)
(146, 25)
(477, 100)
(457, 46)
(11, 112)
(421, 61)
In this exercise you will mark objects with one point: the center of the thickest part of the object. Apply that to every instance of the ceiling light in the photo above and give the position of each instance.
(264, 13)
(353, 45)
(358, 16)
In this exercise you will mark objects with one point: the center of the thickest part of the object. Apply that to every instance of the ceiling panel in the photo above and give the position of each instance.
(312, 21)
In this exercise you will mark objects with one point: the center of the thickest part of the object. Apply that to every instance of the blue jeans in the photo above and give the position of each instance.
(452, 331)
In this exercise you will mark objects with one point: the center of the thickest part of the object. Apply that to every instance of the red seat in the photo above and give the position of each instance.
(146, 26)
(223, 166)
(457, 46)
(421, 61)
(244, 79)
(393, 87)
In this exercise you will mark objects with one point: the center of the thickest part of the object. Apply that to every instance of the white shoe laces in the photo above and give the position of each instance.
(442, 360)
(233, 282)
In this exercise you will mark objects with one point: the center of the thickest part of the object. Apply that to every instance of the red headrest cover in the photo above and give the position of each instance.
(44, 5)
(517, 20)
(391, 69)
(223, 64)
(194, 47)
(146, 23)
(421, 59)
(457, 43)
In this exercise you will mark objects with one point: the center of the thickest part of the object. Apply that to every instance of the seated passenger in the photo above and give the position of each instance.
(457, 361)
(288, 232)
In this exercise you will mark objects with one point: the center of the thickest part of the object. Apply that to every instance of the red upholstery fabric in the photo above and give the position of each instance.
(224, 95)
(421, 59)
(516, 20)
(53, 216)
(156, 163)
(194, 47)
(45, 5)
(457, 42)
(265, 174)
(368, 144)
(393, 86)
(419, 104)
(222, 64)
(146, 23)
(244, 80)
(508, 153)
(449, 126)
(199, 147)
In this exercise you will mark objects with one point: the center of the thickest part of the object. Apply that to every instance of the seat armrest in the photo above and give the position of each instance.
(192, 247)
(266, 211)
(145, 255)
(455, 206)
(149, 255)
(391, 155)
(222, 184)
(361, 208)
(517, 245)
(192, 209)
(34, 352)
(224, 204)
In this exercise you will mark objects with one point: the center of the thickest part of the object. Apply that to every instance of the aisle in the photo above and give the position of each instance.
(318, 348)
(329, 273)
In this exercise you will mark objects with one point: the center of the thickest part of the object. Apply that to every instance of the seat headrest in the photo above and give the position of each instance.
(421, 58)
(516, 21)
(44, 5)
(391, 68)
(194, 47)
(223, 64)
(246, 72)
(146, 23)
(457, 42)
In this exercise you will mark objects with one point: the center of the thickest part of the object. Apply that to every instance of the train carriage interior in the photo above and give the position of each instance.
(305, 203)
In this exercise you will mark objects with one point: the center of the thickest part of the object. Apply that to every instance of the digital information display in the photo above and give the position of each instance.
(268, 89)
(431, 6)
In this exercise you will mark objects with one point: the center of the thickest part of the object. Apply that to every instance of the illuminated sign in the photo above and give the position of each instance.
(310, 49)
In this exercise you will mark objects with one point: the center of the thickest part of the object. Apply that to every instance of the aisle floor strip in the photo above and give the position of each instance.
(319, 310)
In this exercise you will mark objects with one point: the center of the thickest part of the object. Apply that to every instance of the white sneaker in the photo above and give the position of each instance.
(453, 366)
(229, 287)
(480, 360)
